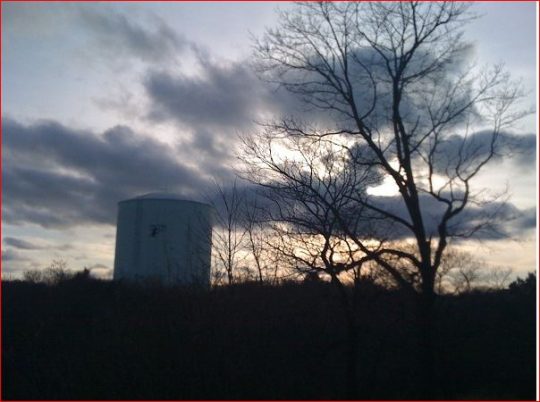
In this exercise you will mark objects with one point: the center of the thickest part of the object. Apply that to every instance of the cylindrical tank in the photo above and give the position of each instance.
(163, 238)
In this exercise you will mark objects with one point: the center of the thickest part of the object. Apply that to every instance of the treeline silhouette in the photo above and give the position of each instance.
(82, 338)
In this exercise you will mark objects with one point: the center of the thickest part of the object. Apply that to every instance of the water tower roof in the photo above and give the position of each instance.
(163, 196)
(160, 196)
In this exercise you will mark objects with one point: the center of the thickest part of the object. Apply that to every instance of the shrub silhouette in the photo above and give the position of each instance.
(84, 338)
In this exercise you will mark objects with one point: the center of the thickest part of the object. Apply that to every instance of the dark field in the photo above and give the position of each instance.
(88, 339)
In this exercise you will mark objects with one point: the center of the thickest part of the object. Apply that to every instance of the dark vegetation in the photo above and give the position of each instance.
(82, 338)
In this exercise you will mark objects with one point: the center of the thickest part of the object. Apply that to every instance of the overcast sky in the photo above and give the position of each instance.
(105, 101)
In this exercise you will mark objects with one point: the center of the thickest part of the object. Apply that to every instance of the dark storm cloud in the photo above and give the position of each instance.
(492, 220)
(56, 176)
(224, 97)
(213, 151)
(524, 220)
(216, 106)
(223, 102)
(10, 255)
(228, 98)
(21, 244)
(521, 149)
(120, 35)
(14, 262)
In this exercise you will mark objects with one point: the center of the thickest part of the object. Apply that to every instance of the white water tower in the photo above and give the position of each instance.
(163, 238)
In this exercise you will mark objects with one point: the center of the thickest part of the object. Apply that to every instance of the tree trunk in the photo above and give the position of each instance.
(427, 365)
(352, 366)
(352, 342)
(229, 276)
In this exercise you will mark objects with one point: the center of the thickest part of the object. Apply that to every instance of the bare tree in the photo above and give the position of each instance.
(459, 272)
(57, 272)
(309, 195)
(229, 234)
(33, 275)
(394, 99)
(497, 278)
(256, 239)
(465, 271)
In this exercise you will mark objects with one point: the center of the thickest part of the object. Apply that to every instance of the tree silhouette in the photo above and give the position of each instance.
(392, 101)
(229, 235)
